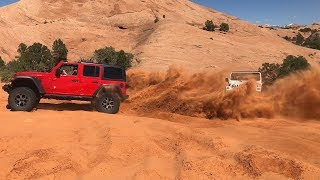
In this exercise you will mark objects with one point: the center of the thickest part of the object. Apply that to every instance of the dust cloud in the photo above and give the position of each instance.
(203, 95)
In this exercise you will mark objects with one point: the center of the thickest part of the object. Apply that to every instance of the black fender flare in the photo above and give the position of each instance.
(20, 81)
(113, 88)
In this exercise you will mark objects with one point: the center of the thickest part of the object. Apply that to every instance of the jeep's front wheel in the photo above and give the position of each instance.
(108, 103)
(22, 99)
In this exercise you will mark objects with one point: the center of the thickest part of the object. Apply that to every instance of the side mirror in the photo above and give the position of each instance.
(58, 72)
(227, 80)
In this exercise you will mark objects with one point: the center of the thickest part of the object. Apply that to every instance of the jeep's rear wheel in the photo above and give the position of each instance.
(108, 103)
(22, 99)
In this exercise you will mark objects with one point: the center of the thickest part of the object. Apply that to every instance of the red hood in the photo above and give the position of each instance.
(33, 74)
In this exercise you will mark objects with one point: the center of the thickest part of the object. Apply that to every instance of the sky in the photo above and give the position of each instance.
(272, 12)
(6, 2)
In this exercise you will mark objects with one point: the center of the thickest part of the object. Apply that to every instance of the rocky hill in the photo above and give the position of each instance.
(177, 38)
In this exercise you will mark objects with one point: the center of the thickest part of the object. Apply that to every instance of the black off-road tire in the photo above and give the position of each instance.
(22, 99)
(108, 103)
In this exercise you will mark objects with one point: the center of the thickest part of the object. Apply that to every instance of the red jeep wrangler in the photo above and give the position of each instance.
(103, 85)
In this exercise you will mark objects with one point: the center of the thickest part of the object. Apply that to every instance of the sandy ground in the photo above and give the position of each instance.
(66, 140)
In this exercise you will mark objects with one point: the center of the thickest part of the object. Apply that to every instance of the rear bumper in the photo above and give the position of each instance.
(7, 88)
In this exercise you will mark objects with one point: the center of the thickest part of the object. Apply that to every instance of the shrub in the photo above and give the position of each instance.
(269, 73)
(10, 69)
(287, 38)
(314, 44)
(59, 51)
(109, 55)
(224, 27)
(293, 64)
(209, 26)
(313, 41)
(299, 39)
(305, 30)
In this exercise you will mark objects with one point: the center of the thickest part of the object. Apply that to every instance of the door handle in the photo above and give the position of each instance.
(74, 80)
(96, 82)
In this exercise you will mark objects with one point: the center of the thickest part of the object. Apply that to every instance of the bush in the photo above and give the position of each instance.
(10, 69)
(59, 51)
(224, 27)
(305, 30)
(109, 55)
(209, 26)
(299, 39)
(293, 64)
(287, 38)
(314, 44)
(269, 73)
(272, 72)
(313, 41)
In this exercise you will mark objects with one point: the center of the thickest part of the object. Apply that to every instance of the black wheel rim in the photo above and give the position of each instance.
(108, 103)
(21, 100)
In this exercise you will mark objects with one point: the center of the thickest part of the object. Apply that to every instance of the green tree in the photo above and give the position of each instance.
(59, 51)
(37, 57)
(293, 64)
(109, 55)
(270, 72)
(224, 27)
(299, 39)
(209, 26)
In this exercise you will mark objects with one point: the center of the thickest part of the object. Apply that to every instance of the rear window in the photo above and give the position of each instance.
(114, 73)
(245, 76)
(91, 71)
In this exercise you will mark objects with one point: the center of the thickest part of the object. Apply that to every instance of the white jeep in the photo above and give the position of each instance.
(238, 78)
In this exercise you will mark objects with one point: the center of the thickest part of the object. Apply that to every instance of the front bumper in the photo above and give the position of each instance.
(7, 88)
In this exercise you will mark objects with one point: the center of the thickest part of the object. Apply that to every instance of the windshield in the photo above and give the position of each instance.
(245, 76)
